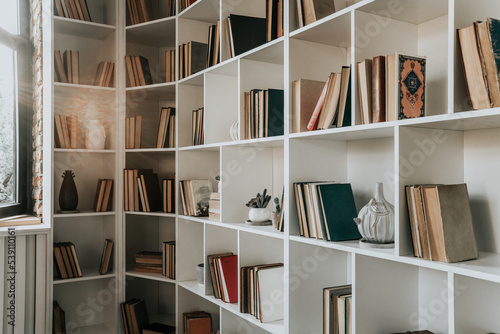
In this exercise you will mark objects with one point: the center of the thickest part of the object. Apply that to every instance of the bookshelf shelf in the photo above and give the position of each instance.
(464, 149)
(150, 276)
(89, 274)
(81, 28)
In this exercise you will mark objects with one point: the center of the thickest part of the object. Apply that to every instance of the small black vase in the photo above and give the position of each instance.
(68, 196)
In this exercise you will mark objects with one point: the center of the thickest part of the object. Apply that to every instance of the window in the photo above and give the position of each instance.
(15, 105)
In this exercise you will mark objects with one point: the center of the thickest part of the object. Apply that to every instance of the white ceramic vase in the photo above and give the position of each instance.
(376, 219)
(95, 135)
(257, 215)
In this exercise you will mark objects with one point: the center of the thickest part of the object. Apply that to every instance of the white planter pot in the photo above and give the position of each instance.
(259, 215)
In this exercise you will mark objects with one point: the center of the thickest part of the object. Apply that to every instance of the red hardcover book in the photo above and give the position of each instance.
(228, 266)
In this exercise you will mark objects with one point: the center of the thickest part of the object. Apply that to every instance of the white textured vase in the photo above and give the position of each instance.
(95, 135)
(376, 219)
(259, 215)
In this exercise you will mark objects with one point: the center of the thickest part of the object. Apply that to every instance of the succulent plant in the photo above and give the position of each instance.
(260, 201)
(277, 205)
(217, 178)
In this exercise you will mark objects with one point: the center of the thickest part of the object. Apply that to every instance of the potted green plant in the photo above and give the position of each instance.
(259, 214)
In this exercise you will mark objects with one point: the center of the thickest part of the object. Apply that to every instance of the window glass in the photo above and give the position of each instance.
(9, 16)
(7, 127)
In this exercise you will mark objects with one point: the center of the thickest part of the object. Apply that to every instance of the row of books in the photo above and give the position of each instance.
(168, 255)
(441, 222)
(192, 58)
(103, 200)
(264, 113)
(66, 260)
(169, 65)
(198, 122)
(337, 312)
(195, 195)
(157, 262)
(133, 131)
(59, 317)
(392, 87)
(142, 191)
(274, 19)
(197, 322)
(140, 11)
(73, 9)
(481, 62)
(259, 284)
(136, 319)
(105, 75)
(333, 104)
(213, 51)
(326, 210)
(66, 131)
(224, 276)
(67, 67)
(166, 128)
(138, 71)
(309, 11)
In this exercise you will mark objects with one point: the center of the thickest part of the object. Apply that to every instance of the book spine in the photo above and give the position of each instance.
(378, 89)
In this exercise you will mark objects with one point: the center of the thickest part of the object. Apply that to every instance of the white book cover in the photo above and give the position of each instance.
(271, 294)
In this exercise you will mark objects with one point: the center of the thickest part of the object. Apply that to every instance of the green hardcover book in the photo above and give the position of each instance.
(275, 106)
(339, 210)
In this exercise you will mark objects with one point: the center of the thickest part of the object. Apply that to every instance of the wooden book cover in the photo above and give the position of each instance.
(422, 229)
(107, 202)
(73, 130)
(412, 215)
(161, 127)
(343, 117)
(132, 188)
(75, 258)
(106, 257)
(339, 210)
(228, 270)
(66, 261)
(391, 89)
(411, 86)
(65, 7)
(487, 38)
(199, 325)
(85, 10)
(473, 71)
(281, 26)
(330, 106)
(99, 194)
(65, 129)
(130, 71)
(313, 121)
(171, 131)
(71, 258)
(67, 65)
(317, 9)
(59, 67)
(109, 75)
(127, 133)
(79, 10)
(247, 32)
(365, 89)
(98, 74)
(75, 71)
(61, 268)
(138, 131)
(449, 220)
(73, 12)
(58, 133)
(378, 89)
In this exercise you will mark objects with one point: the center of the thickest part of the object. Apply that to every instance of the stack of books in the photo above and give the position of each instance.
(337, 312)
(441, 222)
(133, 132)
(213, 53)
(169, 65)
(66, 134)
(67, 68)
(136, 319)
(258, 284)
(140, 11)
(103, 200)
(195, 195)
(197, 322)
(333, 106)
(149, 262)
(198, 125)
(168, 191)
(391, 88)
(142, 190)
(106, 257)
(166, 128)
(326, 210)
(480, 58)
(264, 113)
(214, 207)
(73, 9)
(224, 275)
(105, 75)
(66, 260)
(309, 11)
(192, 58)
(168, 254)
(138, 71)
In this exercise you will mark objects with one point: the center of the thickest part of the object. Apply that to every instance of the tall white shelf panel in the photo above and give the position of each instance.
(450, 145)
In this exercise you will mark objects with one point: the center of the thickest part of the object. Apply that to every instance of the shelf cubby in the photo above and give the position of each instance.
(193, 170)
(84, 314)
(190, 252)
(190, 97)
(190, 300)
(411, 29)
(312, 269)
(147, 233)
(245, 171)
(381, 282)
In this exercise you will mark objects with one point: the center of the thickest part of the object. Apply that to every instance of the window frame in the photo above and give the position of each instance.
(21, 44)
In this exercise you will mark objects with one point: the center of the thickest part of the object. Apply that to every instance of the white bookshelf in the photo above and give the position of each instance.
(393, 291)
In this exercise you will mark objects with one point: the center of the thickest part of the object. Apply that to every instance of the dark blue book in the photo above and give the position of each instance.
(275, 112)
(339, 211)
(247, 32)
